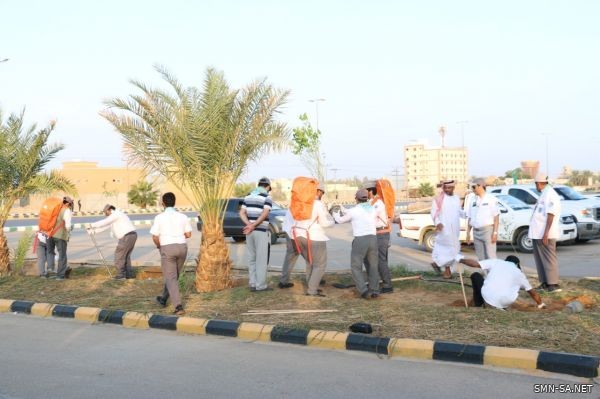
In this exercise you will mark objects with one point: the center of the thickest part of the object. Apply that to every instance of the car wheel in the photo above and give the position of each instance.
(239, 239)
(429, 240)
(524, 243)
(579, 240)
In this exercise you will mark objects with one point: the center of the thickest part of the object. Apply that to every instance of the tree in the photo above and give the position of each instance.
(24, 153)
(516, 173)
(307, 144)
(142, 194)
(202, 139)
(581, 177)
(425, 190)
(243, 189)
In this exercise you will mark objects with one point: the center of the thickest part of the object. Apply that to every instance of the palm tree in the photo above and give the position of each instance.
(24, 152)
(202, 140)
(142, 194)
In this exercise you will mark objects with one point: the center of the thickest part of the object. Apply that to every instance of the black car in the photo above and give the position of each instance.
(233, 225)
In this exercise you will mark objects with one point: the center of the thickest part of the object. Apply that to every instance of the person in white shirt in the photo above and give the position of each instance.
(169, 233)
(121, 228)
(483, 217)
(364, 245)
(500, 288)
(383, 227)
(311, 241)
(543, 231)
(446, 213)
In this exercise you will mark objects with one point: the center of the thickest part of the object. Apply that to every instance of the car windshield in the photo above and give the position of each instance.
(567, 193)
(515, 203)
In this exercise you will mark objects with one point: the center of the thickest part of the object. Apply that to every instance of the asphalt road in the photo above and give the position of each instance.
(54, 358)
(579, 260)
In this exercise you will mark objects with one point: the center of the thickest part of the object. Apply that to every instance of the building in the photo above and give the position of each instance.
(530, 168)
(432, 165)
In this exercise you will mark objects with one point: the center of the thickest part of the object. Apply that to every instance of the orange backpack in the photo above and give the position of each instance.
(304, 190)
(386, 192)
(49, 214)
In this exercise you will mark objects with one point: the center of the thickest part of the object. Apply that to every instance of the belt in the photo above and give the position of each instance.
(131, 232)
(381, 228)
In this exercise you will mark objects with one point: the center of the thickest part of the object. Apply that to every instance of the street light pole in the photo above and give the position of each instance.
(317, 101)
(547, 158)
(462, 131)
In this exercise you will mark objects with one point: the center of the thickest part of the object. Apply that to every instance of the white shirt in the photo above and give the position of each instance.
(117, 221)
(170, 227)
(483, 211)
(363, 218)
(382, 219)
(67, 217)
(288, 222)
(468, 204)
(504, 280)
(548, 203)
(319, 219)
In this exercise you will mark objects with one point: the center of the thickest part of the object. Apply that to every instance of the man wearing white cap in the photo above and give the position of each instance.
(312, 243)
(483, 217)
(446, 212)
(543, 231)
(123, 229)
(363, 217)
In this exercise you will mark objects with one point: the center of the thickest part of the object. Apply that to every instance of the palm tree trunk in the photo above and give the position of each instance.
(4, 254)
(213, 272)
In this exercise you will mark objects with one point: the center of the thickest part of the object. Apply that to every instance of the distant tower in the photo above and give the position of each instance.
(530, 168)
(442, 132)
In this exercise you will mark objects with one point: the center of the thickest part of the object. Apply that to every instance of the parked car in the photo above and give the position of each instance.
(585, 211)
(233, 225)
(513, 228)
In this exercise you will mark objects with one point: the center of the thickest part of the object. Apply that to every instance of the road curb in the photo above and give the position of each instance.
(516, 358)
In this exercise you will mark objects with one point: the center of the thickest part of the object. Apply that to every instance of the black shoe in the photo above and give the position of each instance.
(322, 282)
(286, 285)
(118, 278)
(387, 290)
(252, 289)
(365, 295)
(542, 287)
(68, 272)
(264, 289)
(317, 294)
(554, 288)
(179, 310)
(161, 301)
(374, 295)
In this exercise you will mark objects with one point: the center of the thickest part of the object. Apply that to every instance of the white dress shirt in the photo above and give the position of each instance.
(548, 203)
(503, 282)
(382, 219)
(170, 227)
(320, 219)
(119, 223)
(68, 218)
(363, 218)
(483, 211)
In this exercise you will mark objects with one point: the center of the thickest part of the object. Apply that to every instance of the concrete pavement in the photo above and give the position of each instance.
(54, 358)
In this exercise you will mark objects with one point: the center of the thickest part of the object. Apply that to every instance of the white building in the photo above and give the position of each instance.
(432, 165)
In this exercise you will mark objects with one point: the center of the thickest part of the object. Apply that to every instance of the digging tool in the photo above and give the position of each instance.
(100, 252)
(462, 284)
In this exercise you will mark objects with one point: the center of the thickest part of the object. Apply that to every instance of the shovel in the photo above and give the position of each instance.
(100, 252)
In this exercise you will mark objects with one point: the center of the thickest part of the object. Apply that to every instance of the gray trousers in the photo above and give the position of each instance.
(257, 244)
(482, 240)
(316, 270)
(123, 255)
(365, 247)
(291, 256)
(61, 248)
(545, 261)
(172, 259)
(45, 257)
(383, 245)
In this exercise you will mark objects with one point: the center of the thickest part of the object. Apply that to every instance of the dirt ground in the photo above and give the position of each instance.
(416, 309)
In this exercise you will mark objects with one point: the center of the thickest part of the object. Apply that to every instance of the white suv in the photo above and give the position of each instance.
(585, 211)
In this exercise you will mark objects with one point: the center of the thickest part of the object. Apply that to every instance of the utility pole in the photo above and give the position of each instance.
(334, 170)
(462, 131)
(396, 174)
(317, 101)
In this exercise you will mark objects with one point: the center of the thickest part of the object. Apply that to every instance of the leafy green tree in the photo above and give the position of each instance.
(24, 153)
(425, 190)
(516, 173)
(142, 194)
(581, 177)
(201, 139)
(307, 144)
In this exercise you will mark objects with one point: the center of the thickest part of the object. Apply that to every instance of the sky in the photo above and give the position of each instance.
(522, 73)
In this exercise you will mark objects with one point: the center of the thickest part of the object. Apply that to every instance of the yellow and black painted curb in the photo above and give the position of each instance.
(556, 362)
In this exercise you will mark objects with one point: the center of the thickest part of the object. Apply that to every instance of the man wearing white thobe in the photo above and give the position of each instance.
(446, 213)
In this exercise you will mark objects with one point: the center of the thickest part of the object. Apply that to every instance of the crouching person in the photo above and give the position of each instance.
(169, 232)
(501, 287)
(364, 245)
